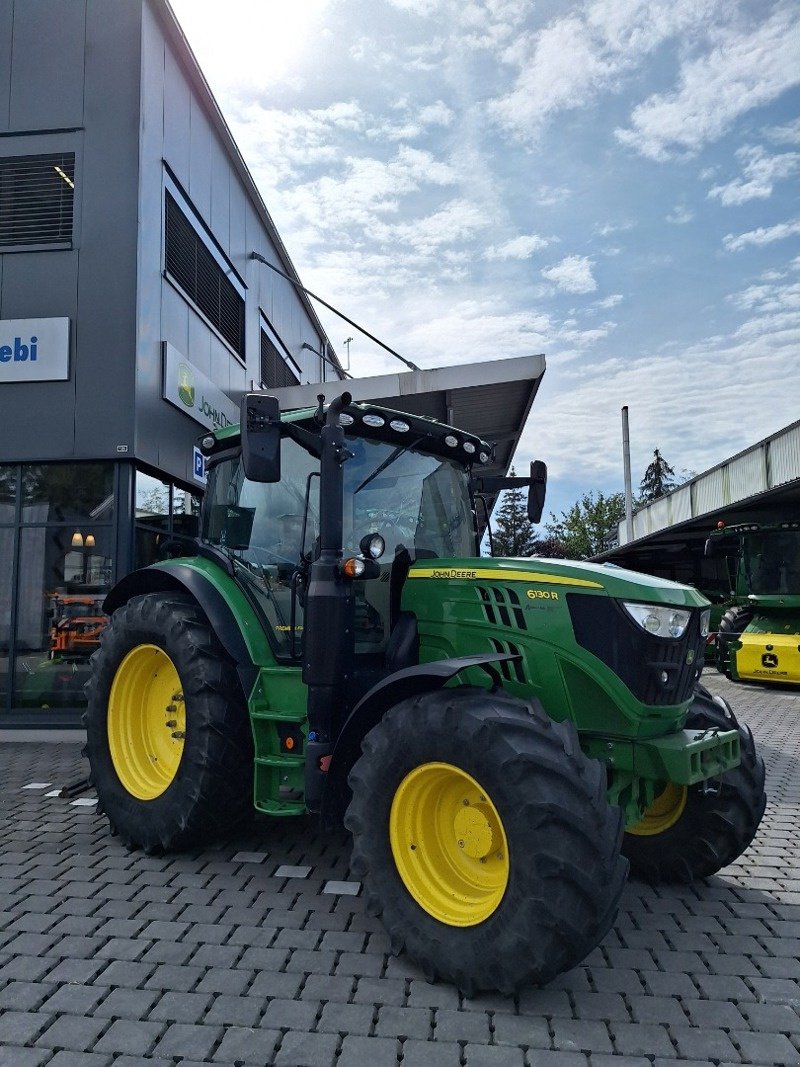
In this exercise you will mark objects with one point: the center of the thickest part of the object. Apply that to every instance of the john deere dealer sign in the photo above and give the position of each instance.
(34, 350)
(194, 394)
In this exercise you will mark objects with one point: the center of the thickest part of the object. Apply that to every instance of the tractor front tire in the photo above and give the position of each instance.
(168, 737)
(734, 622)
(689, 834)
(484, 839)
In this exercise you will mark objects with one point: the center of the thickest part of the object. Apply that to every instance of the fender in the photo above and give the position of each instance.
(410, 682)
(230, 615)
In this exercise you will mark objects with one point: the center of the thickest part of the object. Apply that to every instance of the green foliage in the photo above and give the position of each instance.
(585, 527)
(658, 479)
(550, 548)
(512, 532)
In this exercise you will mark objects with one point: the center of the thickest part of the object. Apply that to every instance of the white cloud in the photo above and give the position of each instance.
(738, 371)
(570, 61)
(680, 215)
(759, 174)
(608, 302)
(762, 236)
(788, 133)
(748, 68)
(573, 275)
(521, 247)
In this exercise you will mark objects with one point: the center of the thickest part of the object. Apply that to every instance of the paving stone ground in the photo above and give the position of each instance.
(260, 951)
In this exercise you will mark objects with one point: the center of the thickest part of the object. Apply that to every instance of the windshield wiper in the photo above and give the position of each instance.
(398, 452)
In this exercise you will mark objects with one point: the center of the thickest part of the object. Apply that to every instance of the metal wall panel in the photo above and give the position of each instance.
(709, 491)
(6, 25)
(38, 417)
(747, 475)
(681, 504)
(659, 514)
(104, 402)
(784, 457)
(46, 91)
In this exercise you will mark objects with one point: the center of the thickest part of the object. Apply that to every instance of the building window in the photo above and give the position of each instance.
(196, 268)
(57, 546)
(36, 199)
(275, 370)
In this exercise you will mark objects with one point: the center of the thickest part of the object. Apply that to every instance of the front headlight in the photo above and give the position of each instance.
(705, 622)
(658, 619)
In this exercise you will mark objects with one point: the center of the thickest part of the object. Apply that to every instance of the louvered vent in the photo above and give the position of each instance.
(36, 199)
(502, 606)
(275, 371)
(512, 670)
(192, 266)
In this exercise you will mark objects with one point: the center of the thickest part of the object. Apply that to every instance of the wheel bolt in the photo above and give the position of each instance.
(172, 723)
(177, 696)
(171, 709)
(179, 735)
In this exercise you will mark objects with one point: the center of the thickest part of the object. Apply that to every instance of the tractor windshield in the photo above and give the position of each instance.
(771, 562)
(418, 502)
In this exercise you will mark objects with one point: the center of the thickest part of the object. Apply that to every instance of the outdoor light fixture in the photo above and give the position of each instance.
(89, 541)
(77, 539)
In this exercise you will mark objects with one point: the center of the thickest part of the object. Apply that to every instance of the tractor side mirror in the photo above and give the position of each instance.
(537, 490)
(260, 427)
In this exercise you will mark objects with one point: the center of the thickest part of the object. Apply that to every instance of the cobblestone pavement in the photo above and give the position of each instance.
(261, 951)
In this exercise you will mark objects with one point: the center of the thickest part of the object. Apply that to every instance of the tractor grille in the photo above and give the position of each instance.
(512, 670)
(604, 628)
(501, 606)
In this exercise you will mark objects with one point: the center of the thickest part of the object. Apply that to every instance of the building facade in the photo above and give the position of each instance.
(132, 317)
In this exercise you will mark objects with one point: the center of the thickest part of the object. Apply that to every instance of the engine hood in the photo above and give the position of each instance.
(563, 575)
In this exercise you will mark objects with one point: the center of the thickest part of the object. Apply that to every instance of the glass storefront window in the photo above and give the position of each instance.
(9, 476)
(64, 574)
(61, 492)
(6, 572)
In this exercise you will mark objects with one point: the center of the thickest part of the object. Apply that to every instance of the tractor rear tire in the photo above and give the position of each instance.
(484, 839)
(707, 831)
(733, 622)
(168, 736)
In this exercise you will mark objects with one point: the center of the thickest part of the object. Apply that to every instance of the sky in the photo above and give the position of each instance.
(613, 183)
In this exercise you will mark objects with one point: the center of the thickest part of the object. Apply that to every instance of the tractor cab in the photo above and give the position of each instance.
(408, 493)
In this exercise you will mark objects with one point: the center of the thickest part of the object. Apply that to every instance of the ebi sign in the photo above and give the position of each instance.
(34, 350)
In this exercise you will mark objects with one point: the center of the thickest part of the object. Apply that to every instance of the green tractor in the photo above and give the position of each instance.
(501, 737)
(758, 636)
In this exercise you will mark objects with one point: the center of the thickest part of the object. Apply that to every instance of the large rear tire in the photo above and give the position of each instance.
(689, 834)
(484, 839)
(168, 737)
(734, 622)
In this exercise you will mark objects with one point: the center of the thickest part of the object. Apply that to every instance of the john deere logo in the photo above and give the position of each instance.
(769, 659)
(185, 385)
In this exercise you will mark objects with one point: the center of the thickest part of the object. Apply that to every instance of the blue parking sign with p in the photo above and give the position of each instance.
(199, 466)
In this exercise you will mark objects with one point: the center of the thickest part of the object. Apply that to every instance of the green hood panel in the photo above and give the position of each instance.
(556, 574)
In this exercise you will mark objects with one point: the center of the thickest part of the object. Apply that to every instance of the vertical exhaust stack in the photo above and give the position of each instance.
(328, 637)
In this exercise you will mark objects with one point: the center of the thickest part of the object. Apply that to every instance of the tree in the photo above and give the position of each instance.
(658, 479)
(550, 548)
(513, 531)
(585, 527)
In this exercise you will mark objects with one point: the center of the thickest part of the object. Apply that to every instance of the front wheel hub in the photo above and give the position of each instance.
(449, 844)
(146, 724)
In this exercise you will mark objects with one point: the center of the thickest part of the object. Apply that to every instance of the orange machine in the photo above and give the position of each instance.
(77, 622)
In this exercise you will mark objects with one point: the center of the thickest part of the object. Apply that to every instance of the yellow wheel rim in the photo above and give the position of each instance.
(146, 722)
(663, 813)
(449, 844)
